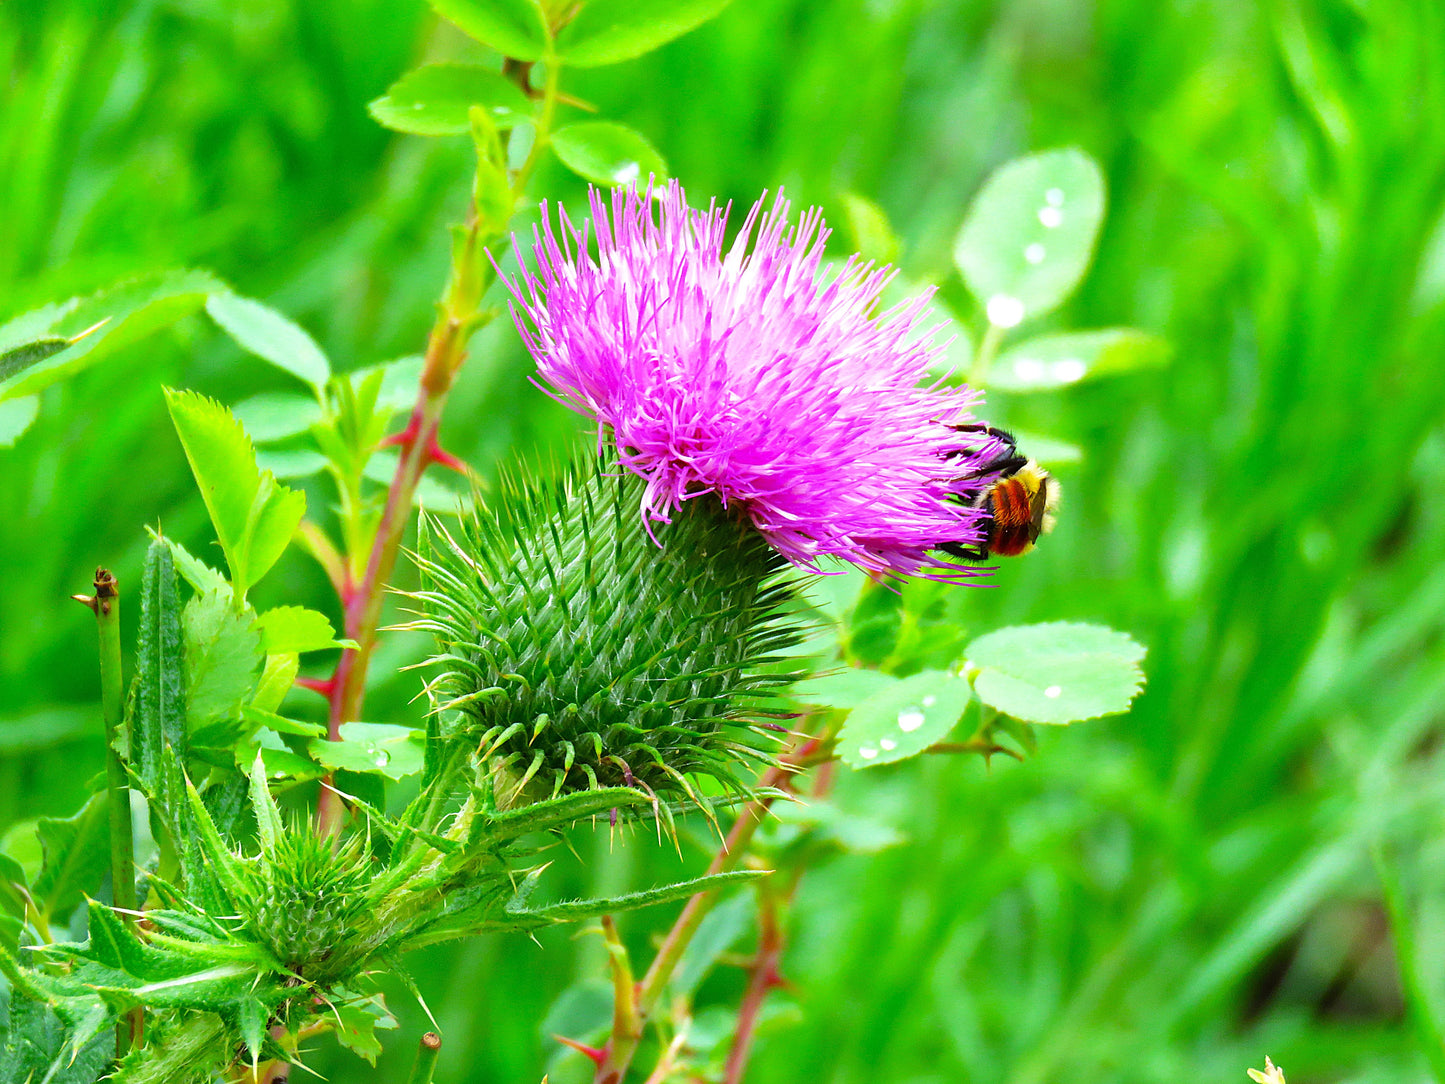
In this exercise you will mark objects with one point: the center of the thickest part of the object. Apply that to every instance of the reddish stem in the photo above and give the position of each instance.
(764, 978)
(363, 606)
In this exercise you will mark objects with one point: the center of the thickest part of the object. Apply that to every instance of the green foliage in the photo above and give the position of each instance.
(580, 652)
(904, 719)
(1161, 898)
(436, 99)
(58, 341)
(40, 1046)
(515, 28)
(270, 336)
(1056, 673)
(1056, 361)
(254, 516)
(1030, 233)
(609, 31)
(608, 154)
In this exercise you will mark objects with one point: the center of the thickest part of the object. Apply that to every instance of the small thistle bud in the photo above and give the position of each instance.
(305, 900)
(579, 650)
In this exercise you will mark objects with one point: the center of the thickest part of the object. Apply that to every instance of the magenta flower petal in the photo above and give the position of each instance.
(750, 373)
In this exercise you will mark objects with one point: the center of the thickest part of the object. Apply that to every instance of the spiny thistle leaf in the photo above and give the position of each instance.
(578, 652)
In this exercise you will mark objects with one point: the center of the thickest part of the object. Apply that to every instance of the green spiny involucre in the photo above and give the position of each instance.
(578, 651)
(305, 899)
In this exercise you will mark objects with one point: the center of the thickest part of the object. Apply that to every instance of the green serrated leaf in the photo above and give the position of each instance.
(1030, 233)
(607, 153)
(223, 665)
(357, 1023)
(16, 416)
(277, 415)
(903, 720)
(269, 826)
(282, 725)
(77, 854)
(609, 31)
(263, 331)
(515, 28)
(254, 516)
(97, 326)
(19, 358)
(295, 629)
(435, 99)
(201, 576)
(42, 1047)
(392, 751)
(1056, 361)
(277, 677)
(1060, 672)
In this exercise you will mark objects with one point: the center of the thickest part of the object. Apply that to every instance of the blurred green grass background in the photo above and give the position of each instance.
(1160, 897)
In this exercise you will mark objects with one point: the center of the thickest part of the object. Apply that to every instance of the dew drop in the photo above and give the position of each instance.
(381, 758)
(1054, 197)
(1034, 253)
(888, 744)
(909, 721)
(627, 174)
(1068, 370)
(867, 752)
(1053, 692)
(930, 700)
(1051, 217)
(1004, 311)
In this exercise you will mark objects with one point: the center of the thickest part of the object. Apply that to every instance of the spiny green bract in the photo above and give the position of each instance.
(303, 899)
(579, 652)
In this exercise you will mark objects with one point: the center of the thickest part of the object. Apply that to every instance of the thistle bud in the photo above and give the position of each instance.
(580, 649)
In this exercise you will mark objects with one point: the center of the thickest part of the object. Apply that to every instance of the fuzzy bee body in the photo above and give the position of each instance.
(1018, 506)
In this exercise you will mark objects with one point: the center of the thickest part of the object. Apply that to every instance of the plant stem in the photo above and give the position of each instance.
(105, 604)
(426, 1059)
(619, 1051)
(458, 316)
(763, 978)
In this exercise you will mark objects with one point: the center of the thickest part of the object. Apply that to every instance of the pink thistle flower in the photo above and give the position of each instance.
(748, 372)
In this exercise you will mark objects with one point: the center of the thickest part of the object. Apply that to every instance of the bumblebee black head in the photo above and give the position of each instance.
(1017, 497)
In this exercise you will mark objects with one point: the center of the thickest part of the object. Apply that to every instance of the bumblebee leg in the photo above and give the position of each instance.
(966, 553)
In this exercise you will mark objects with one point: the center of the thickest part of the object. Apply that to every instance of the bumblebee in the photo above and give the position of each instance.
(1018, 506)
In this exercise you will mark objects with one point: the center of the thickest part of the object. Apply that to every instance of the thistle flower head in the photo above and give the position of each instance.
(749, 372)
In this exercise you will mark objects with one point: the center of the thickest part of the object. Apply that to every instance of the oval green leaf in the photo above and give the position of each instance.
(270, 336)
(392, 751)
(1059, 672)
(435, 99)
(1030, 233)
(273, 416)
(607, 153)
(903, 720)
(514, 28)
(609, 31)
(1055, 361)
(53, 343)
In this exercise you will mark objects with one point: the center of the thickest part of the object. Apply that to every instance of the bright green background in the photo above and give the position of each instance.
(1161, 897)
